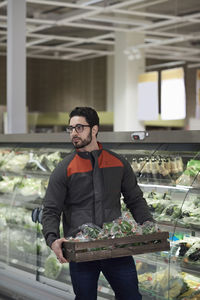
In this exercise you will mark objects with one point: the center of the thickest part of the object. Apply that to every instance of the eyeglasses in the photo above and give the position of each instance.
(79, 128)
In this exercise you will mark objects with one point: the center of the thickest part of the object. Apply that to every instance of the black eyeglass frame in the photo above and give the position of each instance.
(69, 129)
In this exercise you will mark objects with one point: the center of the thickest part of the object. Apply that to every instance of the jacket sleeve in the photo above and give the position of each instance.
(54, 203)
(133, 196)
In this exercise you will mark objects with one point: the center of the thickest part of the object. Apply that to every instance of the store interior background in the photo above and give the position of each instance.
(56, 80)
(76, 54)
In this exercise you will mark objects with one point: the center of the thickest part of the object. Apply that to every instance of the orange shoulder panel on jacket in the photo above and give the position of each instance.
(79, 165)
(107, 160)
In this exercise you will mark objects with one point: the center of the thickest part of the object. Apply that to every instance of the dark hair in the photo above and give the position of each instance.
(89, 113)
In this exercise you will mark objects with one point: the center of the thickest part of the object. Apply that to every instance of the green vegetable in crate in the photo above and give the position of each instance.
(116, 231)
(121, 227)
(125, 227)
(90, 230)
(107, 227)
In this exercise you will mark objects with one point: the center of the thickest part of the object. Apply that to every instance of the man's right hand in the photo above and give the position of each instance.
(57, 249)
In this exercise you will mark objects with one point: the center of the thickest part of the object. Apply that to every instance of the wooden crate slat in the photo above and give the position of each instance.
(118, 241)
(78, 251)
(117, 252)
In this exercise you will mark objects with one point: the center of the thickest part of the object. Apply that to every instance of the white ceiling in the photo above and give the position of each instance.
(82, 29)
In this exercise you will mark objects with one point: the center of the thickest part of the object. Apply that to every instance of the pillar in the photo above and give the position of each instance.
(16, 67)
(126, 72)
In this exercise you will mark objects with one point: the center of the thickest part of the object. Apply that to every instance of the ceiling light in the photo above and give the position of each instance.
(132, 53)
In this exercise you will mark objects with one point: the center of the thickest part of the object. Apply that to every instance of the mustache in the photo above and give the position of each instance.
(76, 137)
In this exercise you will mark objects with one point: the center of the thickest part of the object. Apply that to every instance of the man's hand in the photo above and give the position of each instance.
(57, 249)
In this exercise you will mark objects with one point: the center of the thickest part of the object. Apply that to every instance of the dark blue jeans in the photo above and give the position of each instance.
(120, 273)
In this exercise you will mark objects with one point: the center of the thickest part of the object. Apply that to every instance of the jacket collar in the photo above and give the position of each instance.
(87, 154)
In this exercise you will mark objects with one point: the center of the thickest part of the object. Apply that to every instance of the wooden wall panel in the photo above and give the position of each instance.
(2, 80)
(190, 80)
(58, 86)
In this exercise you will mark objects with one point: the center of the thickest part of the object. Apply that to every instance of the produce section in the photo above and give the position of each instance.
(168, 174)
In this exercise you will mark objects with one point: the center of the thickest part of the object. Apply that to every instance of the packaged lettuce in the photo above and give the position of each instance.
(193, 167)
(52, 266)
(191, 175)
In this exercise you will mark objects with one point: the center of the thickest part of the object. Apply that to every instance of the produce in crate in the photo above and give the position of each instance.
(122, 237)
(121, 227)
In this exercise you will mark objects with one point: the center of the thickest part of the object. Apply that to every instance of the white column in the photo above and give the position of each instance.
(16, 67)
(109, 83)
(126, 74)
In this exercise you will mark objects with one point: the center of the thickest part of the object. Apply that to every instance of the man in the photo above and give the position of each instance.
(86, 188)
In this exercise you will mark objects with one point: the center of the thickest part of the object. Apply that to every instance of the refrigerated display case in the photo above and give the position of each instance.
(167, 165)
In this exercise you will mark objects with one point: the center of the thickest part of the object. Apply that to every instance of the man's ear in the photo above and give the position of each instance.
(95, 129)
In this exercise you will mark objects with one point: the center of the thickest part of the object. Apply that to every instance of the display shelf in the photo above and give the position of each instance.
(150, 294)
(26, 174)
(171, 227)
(163, 261)
(20, 202)
(168, 186)
(156, 260)
(193, 269)
(157, 144)
(6, 199)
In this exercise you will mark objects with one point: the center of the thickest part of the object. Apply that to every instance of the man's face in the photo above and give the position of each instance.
(80, 139)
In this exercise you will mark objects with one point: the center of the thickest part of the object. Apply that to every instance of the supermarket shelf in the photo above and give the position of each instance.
(193, 268)
(155, 260)
(169, 186)
(180, 227)
(26, 173)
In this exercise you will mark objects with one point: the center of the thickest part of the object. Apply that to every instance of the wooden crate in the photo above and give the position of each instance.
(117, 247)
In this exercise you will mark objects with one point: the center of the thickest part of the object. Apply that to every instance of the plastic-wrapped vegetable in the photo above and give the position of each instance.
(90, 231)
(7, 184)
(34, 187)
(17, 163)
(191, 176)
(194, 252)
(51, 160)
(169, 285)
(121, 227)
(52, 266)
(149, 227)
(5, 156)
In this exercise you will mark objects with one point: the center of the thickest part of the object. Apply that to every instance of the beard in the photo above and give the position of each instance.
(81, 143)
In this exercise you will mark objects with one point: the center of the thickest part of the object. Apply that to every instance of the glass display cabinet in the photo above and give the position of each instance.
(167, 166)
